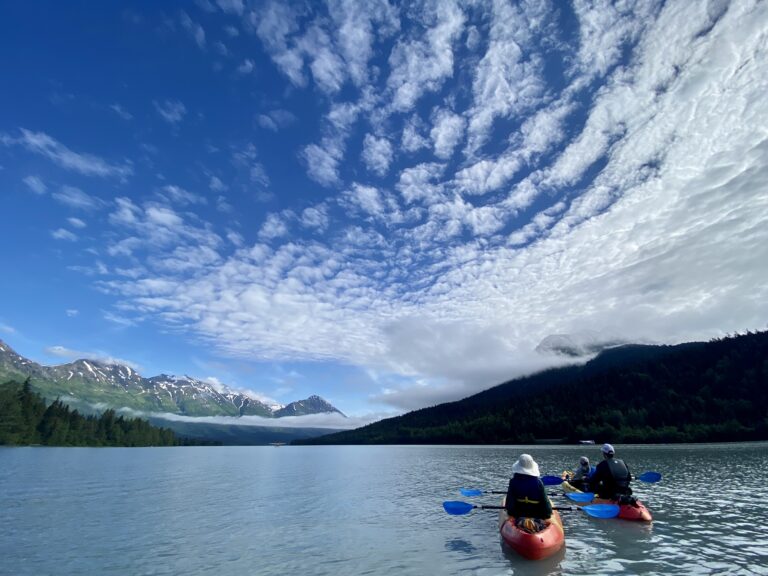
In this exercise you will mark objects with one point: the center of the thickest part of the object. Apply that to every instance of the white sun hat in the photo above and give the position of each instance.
(525, 465)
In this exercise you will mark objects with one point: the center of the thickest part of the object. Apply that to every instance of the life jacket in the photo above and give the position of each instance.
(620, 474)
(526, 494)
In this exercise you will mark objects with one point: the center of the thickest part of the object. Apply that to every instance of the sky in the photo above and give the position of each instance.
(386, 204)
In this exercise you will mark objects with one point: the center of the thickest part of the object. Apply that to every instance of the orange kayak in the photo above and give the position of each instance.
(532, 546)
(636, 511)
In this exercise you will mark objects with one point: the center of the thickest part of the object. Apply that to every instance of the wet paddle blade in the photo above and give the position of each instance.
(551, 480)
(580, 496)
(601, 510)
(470, 492)
(650, 477)
(457, 508)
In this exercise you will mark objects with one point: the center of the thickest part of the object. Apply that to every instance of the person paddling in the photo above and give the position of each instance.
(612, 477)
(580, 477)
(526, 499)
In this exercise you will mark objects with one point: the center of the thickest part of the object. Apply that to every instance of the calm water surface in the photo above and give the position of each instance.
(360, 510)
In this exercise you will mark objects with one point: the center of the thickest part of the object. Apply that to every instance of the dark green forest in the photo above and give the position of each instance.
(697, 392)
(26, 419)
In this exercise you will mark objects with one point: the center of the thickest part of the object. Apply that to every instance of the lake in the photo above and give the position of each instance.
(361, 510)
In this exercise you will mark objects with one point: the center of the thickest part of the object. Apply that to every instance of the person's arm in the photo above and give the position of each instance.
(596, 480)
(546, 504)
(509, 503)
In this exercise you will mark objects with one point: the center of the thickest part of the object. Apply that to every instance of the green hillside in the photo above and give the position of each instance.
(26, 419)
(695, 392)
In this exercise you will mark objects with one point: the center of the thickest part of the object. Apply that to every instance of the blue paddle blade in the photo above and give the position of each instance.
(551, 480)
(649, 477)
(457, 508)
(601, 510)
(580, 496)
(470, 492)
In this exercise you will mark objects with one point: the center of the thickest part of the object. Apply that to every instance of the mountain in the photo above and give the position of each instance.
(693, 392)
(582, 343)
(312, 405)
(93, 385)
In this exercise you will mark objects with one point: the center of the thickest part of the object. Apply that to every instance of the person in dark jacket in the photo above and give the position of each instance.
(612, 477)
(579, 478)
(526, 498)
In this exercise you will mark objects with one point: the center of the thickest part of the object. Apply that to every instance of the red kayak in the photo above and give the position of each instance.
(636, 511)
(532, 546)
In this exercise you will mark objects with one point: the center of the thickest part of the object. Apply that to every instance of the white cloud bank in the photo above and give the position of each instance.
(636, 205)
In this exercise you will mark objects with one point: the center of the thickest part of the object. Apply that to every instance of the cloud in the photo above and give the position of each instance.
(193, 29)
(447, 132)
(120, 111)
(323, 162)
(36, 184)
(328, 69)
(413, 138)
(356, 27)
(277, 119)
(71, 354)
(62, 234)
(216, 184)
(172, 111)
(86, 164)
(315, 217)
(72, 312)
(246, 67)
(76, 198)
(418, 66)
(235, 7)
(367, 198)
(330, 421)
(377, 154)
(509, 79)
(76, 223)
(274, 227)
(275, 24)
(625, 198)
(181, 196)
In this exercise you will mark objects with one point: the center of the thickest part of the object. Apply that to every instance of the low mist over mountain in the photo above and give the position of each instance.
(90, 383)
(578, 344)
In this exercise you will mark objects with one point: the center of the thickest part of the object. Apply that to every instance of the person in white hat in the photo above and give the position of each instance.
(526, 498)
(612, 477)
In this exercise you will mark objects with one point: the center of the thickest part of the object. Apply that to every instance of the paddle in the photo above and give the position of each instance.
(469, 492)
(580, 496)
(551, 480)
(458, 508)
(649, 477)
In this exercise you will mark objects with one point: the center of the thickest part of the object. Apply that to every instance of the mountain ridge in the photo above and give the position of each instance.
(88, 383)
(690, 392)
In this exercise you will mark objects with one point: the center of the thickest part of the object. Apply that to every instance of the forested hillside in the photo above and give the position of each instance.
(696, 392)
(25, 419)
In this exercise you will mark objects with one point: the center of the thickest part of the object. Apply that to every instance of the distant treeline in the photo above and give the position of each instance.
(697, 392)
(25, 419)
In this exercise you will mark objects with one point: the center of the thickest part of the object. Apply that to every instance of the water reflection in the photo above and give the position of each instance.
(460, 545)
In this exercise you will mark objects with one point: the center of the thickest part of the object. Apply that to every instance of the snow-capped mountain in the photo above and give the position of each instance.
(95, 383)
(312, 405)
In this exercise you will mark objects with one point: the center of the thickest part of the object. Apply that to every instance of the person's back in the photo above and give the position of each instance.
(612, 477)
(526, 497)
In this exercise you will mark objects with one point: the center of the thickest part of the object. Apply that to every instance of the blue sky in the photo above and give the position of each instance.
(389, 205)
